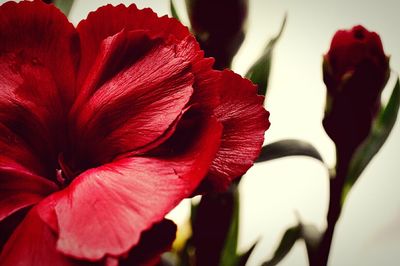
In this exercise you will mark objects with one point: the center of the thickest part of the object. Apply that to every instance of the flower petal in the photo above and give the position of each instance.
(245, 120)
(34, 244)
(152, 244)
(9, 224)
(137, 104)
(15, 149)
(29, 107)
(109, 20)
(20, 188)
(105, 209)
(38, 58)
(21, 181)
(43, 34)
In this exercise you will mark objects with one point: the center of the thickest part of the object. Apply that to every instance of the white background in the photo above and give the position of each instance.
(368, 232)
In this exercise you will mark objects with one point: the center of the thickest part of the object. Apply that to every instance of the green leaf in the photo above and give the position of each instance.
(381, 129)
(289, 238)
(173, 10)
(243, 258)
(193, 212)
(259, 71)
(309, 233)
(288, 147)
(64, 5)
(228, 256)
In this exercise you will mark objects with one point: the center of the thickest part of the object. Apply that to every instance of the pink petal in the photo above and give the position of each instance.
(105, 210)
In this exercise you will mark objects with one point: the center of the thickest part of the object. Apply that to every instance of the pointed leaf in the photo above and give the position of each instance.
(308, 232)
(64, 5)
(243, 258)
(288, 240)
(229, 256)
(259, 71)
(288, 147)
(173, 10)
(381, 129)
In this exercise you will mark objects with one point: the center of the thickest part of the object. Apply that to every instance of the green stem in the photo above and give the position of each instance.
(321, 255)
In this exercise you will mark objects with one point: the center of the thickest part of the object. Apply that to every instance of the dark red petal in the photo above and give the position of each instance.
(105, 210)
(21, 184)
(15, 149)
(43, 34)
(152, 244)
(206, 79)
(33, 244)
(136, 105)
(20, 188)
(29, 105)
(9, 224)
(244, 120)
(37, 74)
(109, 20)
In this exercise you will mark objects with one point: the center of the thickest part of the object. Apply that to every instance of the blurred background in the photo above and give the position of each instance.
(368, 232)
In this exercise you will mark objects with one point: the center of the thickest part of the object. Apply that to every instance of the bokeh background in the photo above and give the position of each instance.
(368, 232)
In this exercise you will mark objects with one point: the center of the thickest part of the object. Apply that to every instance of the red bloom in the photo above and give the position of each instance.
(356, 70)
(107, 127)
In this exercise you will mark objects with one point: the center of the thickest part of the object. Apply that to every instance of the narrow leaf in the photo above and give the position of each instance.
(243, 258)
(259, 71)
(288, 240)
(229, 256)
(288, 147)
(64, 5)
(309, 233)
(381, 129)
(173, 10)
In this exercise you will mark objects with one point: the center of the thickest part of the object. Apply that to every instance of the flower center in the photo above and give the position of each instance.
(64, 174)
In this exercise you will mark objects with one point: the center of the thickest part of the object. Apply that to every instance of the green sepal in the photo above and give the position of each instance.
(380, 131)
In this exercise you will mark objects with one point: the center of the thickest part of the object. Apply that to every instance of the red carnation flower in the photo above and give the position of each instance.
(355, 71)
(107, 127)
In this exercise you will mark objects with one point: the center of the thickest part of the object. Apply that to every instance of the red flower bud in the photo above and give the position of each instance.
(355, 72)
(219, 27)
